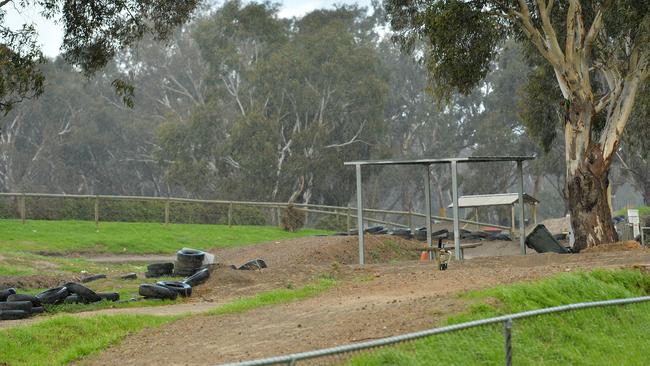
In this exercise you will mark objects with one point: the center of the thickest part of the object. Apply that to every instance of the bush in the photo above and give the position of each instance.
(333, 223)
(292, 219)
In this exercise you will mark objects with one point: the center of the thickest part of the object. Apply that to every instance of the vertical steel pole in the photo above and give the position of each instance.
(427, 202)
(360, 216)
(454, 194)
(522, 206)
(507, 340)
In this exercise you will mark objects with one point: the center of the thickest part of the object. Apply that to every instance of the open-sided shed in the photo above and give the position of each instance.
(499, 199)
(426, 163)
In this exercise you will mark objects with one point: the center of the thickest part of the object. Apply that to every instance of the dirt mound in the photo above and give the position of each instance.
(615, 247)
(35, 281)
(320, 250)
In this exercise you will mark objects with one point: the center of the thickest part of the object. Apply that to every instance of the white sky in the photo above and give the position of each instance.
(51, 34)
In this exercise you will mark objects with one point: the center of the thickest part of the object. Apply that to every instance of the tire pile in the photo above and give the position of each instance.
(189, 263)
(20, 306)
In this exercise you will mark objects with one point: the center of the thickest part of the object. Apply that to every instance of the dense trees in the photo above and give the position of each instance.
(242, 104)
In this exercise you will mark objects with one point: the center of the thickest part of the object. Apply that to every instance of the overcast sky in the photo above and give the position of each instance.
(51, 35)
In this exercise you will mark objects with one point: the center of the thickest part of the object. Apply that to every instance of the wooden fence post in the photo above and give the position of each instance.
(97, 211)
(349, 219)
(167, 212)
(410, 220)
(230, 214)
(22, 208)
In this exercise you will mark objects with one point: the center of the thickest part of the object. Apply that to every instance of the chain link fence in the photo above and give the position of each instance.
(603, 332)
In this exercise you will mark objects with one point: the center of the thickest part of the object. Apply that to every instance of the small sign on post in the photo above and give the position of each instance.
(633, 218)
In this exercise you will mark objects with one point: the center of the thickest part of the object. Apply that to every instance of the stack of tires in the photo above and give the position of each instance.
(188, 262)
(170, 290)
(18, 306)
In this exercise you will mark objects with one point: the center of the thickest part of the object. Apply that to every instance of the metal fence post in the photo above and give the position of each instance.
(97, 211)
(230, 214)
(507, 340)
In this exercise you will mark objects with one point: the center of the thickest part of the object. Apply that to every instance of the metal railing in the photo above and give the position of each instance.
(506, 320)
(339, 211)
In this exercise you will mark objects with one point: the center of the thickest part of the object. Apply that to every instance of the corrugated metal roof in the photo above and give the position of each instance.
(501, 199)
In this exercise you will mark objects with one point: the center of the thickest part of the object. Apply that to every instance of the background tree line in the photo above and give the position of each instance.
(242, 104)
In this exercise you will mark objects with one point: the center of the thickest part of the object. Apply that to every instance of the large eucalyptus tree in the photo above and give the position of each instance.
(599, 53)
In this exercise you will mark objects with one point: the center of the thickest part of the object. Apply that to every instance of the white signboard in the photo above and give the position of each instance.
(633, 218)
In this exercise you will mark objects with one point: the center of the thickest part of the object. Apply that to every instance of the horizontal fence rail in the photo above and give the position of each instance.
(506, 320)
(338, 211)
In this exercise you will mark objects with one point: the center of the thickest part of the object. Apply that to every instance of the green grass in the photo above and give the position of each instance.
(60, 340)
(128, 237)
(644, 211)
(273, 297)
(614, 335)
(64, 338)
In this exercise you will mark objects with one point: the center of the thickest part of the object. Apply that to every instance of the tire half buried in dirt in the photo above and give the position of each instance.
(109, 296)
(181, 288)
(6, 293)
(157, 292)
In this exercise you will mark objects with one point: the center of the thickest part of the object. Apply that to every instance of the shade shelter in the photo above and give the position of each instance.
(500, 199)
(426, 163)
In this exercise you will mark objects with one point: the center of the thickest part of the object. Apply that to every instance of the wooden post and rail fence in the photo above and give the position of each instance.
(339, 211)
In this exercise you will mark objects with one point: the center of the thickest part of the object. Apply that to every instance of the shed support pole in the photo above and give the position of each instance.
(454, 194)
(360, 216)
(427, 201)
(522, 207)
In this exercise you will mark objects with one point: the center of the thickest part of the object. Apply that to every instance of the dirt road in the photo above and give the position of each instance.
(371, 302)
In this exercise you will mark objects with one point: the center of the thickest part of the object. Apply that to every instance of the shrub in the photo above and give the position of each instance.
(292, 219)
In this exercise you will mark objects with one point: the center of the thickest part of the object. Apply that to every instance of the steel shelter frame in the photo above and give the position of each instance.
(453, 162)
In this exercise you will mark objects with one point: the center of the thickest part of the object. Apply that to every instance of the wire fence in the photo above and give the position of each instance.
(601, 332)
(46, 206)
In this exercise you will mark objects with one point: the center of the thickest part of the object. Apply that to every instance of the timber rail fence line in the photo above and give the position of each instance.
(507, 321)
(339, 211)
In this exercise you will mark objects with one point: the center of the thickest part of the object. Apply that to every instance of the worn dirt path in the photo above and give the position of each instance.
(381, 300)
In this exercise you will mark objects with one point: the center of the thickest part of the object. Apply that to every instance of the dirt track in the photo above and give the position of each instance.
(371, 302)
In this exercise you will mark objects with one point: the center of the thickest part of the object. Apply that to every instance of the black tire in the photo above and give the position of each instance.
(161, 268)
(157, 292)
(182, 289)
(151, 275)
(6, 293)
(197, 278)
(109, 296)
(129, 276)
(253, 265)
(53, 296)
(24, 297)
(189, 258)
(16, 305)
(86, 294)
(73, 299)
(14, 314)
(38, 310)
(92, 278)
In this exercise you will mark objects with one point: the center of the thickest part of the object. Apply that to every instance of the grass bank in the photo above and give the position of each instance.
(130, 237)
(65, 338)
(273, 297)
(613, 335)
